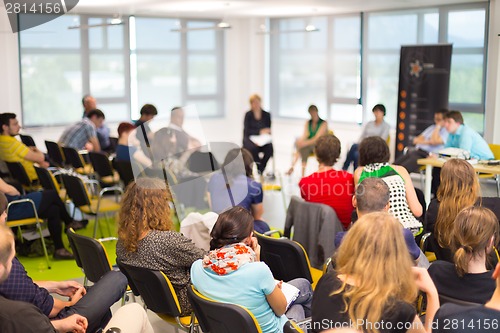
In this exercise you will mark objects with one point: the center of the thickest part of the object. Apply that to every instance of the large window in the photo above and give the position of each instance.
(324, 67)
(320, 67)
(178, 68)
(123, 66)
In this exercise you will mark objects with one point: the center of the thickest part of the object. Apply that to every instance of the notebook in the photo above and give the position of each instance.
(291, 293)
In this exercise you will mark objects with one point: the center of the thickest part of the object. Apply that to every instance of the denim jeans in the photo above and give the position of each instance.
(301, 308)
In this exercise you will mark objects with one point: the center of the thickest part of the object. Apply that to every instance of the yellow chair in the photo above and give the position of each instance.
(91, 205)
(495, 149)
(49, 182)
(278, 253)
(29, 221)
(159, 296)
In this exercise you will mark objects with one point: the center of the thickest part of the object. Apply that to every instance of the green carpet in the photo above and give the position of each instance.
(67, 269)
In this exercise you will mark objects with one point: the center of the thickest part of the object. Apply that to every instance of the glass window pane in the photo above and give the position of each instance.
(52, 89)
(343, 40)
(96, 34)
(382, 85)
(302, 82)
(107, 76)
(431, 28)
(159, 81)
(155, 34)
(202, 74)
(115, 37)
(53, 34)
(466, 78)
(203, 39)
(466, 28)
(474, 120)
(206, 108)
(114, 112)
(346, 75)
(352, 113)
(317, 39)
(292, 40)
(387, 31)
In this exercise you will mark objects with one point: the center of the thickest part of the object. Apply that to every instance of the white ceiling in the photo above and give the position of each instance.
(247, 8)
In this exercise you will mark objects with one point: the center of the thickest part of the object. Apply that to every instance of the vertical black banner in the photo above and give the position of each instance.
(424, 83)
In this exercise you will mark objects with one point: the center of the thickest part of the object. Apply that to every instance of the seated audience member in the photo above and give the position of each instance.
(123, 150)
(474, 234)
(232, 273)
(102, 131)
(184, 140)
(49, 206)
(83, 135)
(93, 303)
(257, 122)
(372, 195)
(374, 282)
(459, 188)
(146, 236)
(478, 318)
(374, 160)
(235, 186)
(313, 129)
(21, 316)
(463, 137)
(430, 141)
(148, 112)
(377, 127)
(329, 186)
(12, 150)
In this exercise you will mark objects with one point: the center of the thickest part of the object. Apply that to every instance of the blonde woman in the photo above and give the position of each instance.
(374, 282)
(475, 233)
(459, 188)
(146, 236)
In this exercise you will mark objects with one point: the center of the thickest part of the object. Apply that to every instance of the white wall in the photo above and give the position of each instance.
(492, 128)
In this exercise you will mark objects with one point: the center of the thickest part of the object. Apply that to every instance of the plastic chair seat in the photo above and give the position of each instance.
(86, 170)
(316, 274)
(111, 179)
(186, 320)
(106, 205)
(21, 223)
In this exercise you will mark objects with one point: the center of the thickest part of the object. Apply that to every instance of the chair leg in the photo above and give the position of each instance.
(498, 185)
(107, 224)
(95, 226)
(39, 227)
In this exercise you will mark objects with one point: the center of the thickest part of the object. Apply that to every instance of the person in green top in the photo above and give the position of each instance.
(313, 129)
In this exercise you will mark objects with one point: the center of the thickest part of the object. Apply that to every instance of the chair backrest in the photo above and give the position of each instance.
(286, 259)
(47, 179)
(73, 157)
(92, 255)
(202, 162)
(124, 169)
(155, 289)
(101, 164)
(447, 299)
(74, 248)
(17, 171)
(495, 149)
(214, 316)
(27, 140)
(76, 190)
(131, 284)
(55, 153)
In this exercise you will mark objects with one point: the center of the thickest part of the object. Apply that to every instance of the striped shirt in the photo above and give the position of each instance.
(78, 135)
(12, 150)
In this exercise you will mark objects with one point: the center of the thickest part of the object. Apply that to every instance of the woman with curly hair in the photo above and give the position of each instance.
(459, 188)
(146, 237)
(374, 287)
(473, 237)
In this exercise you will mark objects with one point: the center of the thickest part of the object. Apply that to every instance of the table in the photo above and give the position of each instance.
(430, 162)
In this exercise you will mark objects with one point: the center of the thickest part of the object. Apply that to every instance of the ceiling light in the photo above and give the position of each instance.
(117, 20)
(308, 28)
(222, 25)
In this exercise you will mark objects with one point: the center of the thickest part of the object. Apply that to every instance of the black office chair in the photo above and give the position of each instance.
(202, 162)
(102, 166)
(55, 153)
(159, 296)
(76, 161)
(124, 169)
(17, 172)
(214, 316)
(278, 253)
(27, 140)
